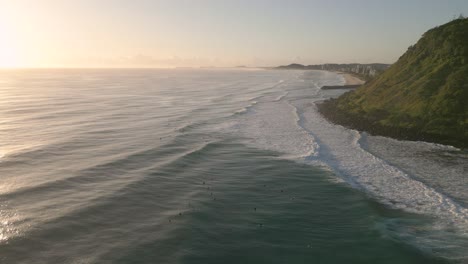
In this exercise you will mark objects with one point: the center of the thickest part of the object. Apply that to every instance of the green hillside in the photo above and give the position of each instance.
(424, 95)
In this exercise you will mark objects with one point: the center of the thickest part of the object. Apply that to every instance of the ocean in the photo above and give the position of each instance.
(213, 166)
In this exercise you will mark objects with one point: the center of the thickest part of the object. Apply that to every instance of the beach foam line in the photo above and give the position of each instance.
(387, 183)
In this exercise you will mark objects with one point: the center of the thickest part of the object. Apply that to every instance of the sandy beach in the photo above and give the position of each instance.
(351, 82)
(351, 79)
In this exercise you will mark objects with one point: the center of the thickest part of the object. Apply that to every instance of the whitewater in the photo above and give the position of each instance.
(291, 124)
(137, 166)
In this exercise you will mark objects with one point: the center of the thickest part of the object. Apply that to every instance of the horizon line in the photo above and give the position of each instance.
(171, 67)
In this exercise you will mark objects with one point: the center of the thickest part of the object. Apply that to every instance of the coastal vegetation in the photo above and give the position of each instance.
(423, 96)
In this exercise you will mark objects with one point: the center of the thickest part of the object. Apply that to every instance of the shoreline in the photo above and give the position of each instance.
(351, 79)
(351, 82)
(329, 110)
(332, 113)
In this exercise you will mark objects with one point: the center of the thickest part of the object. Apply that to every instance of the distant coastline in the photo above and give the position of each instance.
(363, 71)
(351, 82)
(351, 79)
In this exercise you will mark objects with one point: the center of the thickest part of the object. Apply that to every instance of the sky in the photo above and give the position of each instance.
(192, 33)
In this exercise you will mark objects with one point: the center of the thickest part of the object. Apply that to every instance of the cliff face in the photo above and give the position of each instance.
(425, 91)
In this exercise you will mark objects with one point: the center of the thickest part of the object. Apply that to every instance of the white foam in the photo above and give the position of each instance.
(293, 126)
(440, 166)
(273, 126)
(245, 109)
(384, 181)
(280, 97)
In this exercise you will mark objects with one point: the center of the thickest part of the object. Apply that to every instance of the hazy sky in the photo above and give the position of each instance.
(151, 33)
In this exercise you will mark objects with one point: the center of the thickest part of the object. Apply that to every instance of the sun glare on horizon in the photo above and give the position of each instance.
(10, 56)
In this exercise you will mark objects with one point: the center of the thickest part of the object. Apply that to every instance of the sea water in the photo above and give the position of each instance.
(213, 166)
